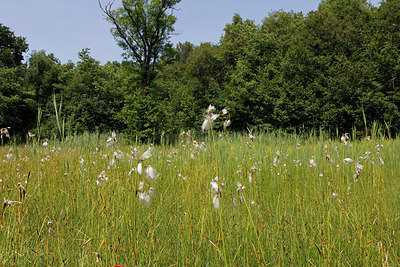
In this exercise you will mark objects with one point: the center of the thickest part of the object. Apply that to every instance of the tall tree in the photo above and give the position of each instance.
(42, 75)
(142, 28)
(11, 48)
(16, 100)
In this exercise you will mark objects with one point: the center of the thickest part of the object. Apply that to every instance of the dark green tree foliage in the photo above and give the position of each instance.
(236, 39)
(16, 101)
(43, 79)
(93, 95)
(258, 91)
(11, 48)
(17, 105)
(176, 92)
(142, 29)
(336, 35)
(382, 98)
(190, 84)
(43, 76)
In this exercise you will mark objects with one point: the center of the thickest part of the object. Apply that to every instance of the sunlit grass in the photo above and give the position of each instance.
(77, 202)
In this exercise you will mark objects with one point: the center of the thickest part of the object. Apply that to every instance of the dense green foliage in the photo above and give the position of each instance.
(335, 68)
(142, 28)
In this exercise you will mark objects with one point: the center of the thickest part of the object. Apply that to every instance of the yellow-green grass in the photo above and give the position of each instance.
(290, 214)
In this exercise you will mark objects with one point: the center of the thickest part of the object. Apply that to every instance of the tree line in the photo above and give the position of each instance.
(335, 68)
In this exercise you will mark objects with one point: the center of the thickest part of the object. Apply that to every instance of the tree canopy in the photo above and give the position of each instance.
(143, 28)
(335, 69)
(11, 48)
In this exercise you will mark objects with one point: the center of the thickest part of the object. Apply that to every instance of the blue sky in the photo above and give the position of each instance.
(65, 27)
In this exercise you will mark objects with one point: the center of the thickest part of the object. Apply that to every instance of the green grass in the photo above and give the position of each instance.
(291, 213)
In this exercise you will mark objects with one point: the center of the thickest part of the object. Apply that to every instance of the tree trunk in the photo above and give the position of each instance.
(144, 88)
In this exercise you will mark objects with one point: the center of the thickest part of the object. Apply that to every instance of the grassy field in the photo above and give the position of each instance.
(232, 200)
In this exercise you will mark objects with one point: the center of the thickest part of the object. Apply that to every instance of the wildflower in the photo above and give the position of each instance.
(276, 161)
(251, 137)
(112, 139)
(216, 201)
(207, 123)
(344, 138)
(48, 226)
(102, 176)
(145, 198)
(253, 169)
(134, 154)
(10, 202)
(45, 143)
(359, 166)
(240, 191)
(152, 192)
(139, 168)
(210, 109)
(150, 172)
(215, 193)
(240, 186)
(111, 163)
(367, 156)
(31, 135)
(118, 154)
(214, 117)
(227, 123)
(296, 163)
(330, 160)
(147, 154)
(348, 160)
(140, 187)
(210, 118)
(234, 202)
(312, 162)
(199, 148)
(4, 131)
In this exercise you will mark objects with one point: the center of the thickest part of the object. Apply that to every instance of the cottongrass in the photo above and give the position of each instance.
(335, 212)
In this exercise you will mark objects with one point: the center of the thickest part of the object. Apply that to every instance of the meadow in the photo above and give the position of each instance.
(210, 200)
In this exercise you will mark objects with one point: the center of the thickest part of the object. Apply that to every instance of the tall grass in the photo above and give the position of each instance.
(60, 124)
(290, 214)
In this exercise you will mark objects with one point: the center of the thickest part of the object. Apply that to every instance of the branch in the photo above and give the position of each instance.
(107, 10)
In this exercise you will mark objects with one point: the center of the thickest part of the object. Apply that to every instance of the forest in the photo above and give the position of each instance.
(335, 69)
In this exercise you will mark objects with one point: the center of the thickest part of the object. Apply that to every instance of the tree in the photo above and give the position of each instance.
(142, 29)
(236, 38)
(42, 75)
(11, 48)
(92, 95)
(16, 100)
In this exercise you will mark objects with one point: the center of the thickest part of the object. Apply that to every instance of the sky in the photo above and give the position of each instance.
(65, 27)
